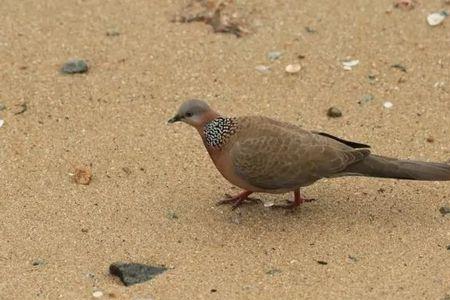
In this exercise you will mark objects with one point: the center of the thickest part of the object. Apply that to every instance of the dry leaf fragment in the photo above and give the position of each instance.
(222, 15)
(82, 175)
(405, 4)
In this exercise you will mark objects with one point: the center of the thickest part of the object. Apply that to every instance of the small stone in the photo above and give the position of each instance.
(444, 210)
(430, 139)
(172, 215)
(310, 29)
(448, 247)
(2, 106)
(334, 112)
(366, 99)
(274, 55)
(20, 108)
(2, 122)
(74, 66)
(262, 69)
(293, 68)
(436, 18)
(97, 294)
(112, 33)
(349, 64)
(38, 262)
(273, 271)
(133, 273)
(399, 66)
(126, 170)
(353, 258)
(388, 104)
(213, 290)
(322, 262)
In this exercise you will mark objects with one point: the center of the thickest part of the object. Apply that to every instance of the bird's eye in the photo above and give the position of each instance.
(188, 114)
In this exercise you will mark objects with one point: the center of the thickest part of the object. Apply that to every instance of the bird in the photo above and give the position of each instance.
(263, 155)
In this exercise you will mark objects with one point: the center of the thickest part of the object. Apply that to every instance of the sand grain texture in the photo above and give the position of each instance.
(113, 119)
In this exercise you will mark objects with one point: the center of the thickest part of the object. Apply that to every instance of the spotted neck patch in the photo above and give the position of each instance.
(218, 131)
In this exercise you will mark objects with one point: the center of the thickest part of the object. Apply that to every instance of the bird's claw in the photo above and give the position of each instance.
(237, 200)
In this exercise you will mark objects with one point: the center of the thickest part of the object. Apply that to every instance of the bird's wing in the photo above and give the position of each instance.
(273, 155)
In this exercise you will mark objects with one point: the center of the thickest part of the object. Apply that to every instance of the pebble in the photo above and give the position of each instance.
(38, 262)
(74, 66)
(399, 66)
(97, 294)
(366, 98)
(349, 64)
(321, 262)
(2, 122)
(2, 106)
(436, 18)
(274, 55)
(262, 69)
(293, 68)
(334, 112)
(444, 210)
(133, 273)
(112, 33)
(388, 104)
(172, 215)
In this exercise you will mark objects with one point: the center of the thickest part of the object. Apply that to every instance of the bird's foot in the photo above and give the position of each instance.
(292, 204)
(237, 200)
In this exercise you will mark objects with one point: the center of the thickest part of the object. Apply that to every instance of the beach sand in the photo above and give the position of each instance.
(153, 192)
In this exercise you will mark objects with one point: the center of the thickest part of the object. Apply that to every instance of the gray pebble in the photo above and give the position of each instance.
(366, 98)
(74, 66)
(132, 273)
(38, 262)
(274, 55)
(334, 112)
(444, 210)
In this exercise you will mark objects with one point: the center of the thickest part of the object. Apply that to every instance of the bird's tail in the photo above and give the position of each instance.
(386, 167)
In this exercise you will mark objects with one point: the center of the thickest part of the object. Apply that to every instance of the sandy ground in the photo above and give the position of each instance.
(380, 238)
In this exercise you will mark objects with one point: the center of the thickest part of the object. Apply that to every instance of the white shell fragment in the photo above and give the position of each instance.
(269, 204)
(388, 104)
(436, 18)
(97, 294)
(349, 64)
(293, 68)
(2, 122)
(262, 69)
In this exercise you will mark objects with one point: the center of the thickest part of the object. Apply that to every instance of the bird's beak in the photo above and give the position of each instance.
(176, 118)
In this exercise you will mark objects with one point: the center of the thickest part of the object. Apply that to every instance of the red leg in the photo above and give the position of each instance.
(236, 200)
(298, 200)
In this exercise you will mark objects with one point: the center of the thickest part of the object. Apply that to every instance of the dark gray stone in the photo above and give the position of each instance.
(444, 210)
(132, 273)
(74, 66)
(334, 112)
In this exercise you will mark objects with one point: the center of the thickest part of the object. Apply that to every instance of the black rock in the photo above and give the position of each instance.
(444, 210)
(38, 262)
(74, 66)
(334, 112)
(322, 262)
(132, 273)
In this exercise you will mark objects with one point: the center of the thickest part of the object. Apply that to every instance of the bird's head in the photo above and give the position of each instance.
(195, 113)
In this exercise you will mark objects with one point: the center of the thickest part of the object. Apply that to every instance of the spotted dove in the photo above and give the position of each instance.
(259, 154)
